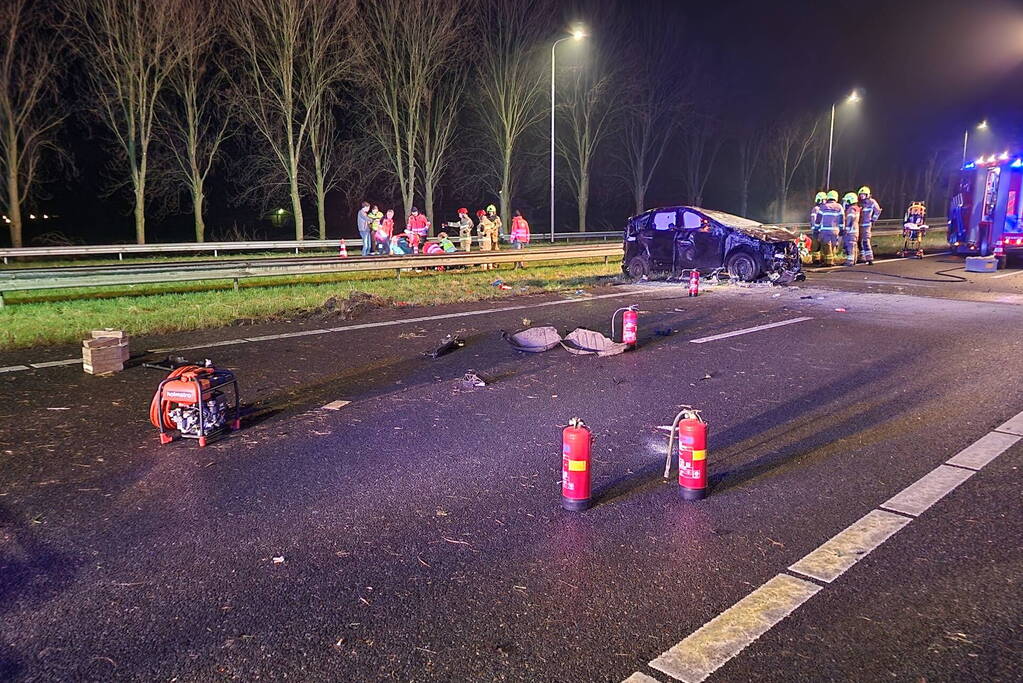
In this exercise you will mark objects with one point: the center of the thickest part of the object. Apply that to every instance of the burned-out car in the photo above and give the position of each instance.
(683, 238)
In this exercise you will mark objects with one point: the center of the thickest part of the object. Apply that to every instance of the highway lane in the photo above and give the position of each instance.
(420, 524)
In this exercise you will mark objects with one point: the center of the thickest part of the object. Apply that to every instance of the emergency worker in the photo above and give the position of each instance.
(815, 225)
(870, 212)
(496, 221)
(519, 231)
(419, 225)
(850, 228)
(465, 226)
(832, 218)
(485, 229)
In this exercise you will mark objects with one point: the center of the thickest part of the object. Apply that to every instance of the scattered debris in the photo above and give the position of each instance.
(707, 376)
(663, 331)
(336, 405)
(807, 296)
(840, 310)
(357, 304)
(279, 559)
(446, 346)
(472, 380)
(526, 322)
(534, 339)
(583, 342)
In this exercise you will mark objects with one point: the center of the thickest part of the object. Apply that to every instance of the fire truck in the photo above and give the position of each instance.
(986, 207)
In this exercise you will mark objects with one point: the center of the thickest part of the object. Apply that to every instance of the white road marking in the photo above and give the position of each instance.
(55, 363)
(983, 451)
(336, 405)
(927, 490)
(748, 330)
(892, 283)
(823, 269)
(286, 335)
(1010, 274)
(849, 546)
(723, 637)
(640, 678)
(209, 345)
(1013, 426)
(14, 368)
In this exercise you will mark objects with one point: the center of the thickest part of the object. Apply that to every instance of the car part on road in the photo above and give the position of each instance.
(575, 466)
(582, 342)
(630, 324)
(692, 453)
(446, 346)
(534, 339)
(472, 380)
(191, 402)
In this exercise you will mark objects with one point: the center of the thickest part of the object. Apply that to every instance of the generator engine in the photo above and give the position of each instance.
(192, 402)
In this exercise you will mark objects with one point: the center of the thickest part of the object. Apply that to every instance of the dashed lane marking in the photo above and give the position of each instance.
(850, 545)
(56, 363)
(928, 490)
(724, 636)
(1014, 425)
(1010, 274)
(983, 451)
(640, 678)
(14, 368)
(827, 269)
(748, 330)
(890, 283)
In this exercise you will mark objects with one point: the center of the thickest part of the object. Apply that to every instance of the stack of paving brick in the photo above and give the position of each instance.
(105, 352)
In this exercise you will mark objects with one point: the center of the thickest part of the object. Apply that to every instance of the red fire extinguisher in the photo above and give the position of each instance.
(575, 466)
(694, 283)
(630, 325)
(692, 453)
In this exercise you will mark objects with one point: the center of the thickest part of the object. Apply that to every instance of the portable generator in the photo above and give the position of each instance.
(192, 402)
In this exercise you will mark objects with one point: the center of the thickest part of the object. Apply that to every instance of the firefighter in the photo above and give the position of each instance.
(850, 228)
(815, 225)
(496, 220)
(870, 212)
(465, 226)
(486, 230)
(832, 218)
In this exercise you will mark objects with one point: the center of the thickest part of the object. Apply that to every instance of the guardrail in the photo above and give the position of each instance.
(236, 272)
(217, 247)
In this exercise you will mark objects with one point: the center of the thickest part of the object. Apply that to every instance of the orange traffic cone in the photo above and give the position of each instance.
(343, 251)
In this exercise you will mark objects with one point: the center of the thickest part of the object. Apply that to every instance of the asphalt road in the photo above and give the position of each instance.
(420, 524)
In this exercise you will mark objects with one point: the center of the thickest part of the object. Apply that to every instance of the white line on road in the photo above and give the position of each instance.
(850, 545)
(983, 451)
(723, 637)
(56, 363)
(748, 330)
(14, 368)
(1014, 425)
(826, 269)
(640, 678)
(928, 490)
(1009, 274)
(892, 283)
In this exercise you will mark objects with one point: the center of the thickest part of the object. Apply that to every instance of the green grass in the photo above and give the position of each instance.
(37, 321)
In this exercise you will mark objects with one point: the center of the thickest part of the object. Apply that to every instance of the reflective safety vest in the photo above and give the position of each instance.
(852, 218)
(870, 211)
(831, 216)
(815, 217)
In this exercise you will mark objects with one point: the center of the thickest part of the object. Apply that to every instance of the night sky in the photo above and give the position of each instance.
(926, 69)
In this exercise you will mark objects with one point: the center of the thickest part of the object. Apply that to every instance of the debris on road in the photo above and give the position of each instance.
(105, 352)
(446, 346)
(840, 310)
(534, 339)
(472, 380)
(584, 342)
(279, 559)
(336, 405)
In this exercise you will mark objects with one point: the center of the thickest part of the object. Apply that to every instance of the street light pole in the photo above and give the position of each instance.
(831, 143)
(966, 137)
(577, 35)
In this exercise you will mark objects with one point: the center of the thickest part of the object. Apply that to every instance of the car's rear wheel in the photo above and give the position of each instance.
(638, 267)
(743, 266)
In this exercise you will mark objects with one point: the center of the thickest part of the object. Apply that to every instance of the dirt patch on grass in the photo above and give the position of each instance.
(356, 305)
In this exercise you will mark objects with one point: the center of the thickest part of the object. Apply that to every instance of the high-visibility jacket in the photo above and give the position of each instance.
(870, 211)
(520, 230)
(419, 224)
(832, 216)
(852, 219)
(384, 229)
(433, 248)
(815, 217)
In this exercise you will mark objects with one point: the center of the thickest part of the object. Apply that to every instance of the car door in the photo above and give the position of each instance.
(700, 242)
(658, 237)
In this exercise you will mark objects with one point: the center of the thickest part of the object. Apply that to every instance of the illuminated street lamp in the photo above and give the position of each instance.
(853, 98)
(577, 34)
(966, 137)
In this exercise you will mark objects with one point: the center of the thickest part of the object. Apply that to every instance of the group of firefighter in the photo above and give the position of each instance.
(377, 231)
(847, 224)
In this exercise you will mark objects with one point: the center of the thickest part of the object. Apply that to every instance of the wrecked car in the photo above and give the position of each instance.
(675, 239)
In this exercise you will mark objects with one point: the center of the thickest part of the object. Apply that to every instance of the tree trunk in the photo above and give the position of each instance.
(743, 199)
(584, 199)
(639, 193)
(197, 202)
(428, 203)
(13, 194)
(321, 208)
(296, 204)
(506, 182)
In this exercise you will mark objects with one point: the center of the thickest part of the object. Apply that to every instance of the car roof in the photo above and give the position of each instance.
(748, 226)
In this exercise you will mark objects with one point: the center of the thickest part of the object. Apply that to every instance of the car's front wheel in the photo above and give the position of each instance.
(741, 265)
(638, 267)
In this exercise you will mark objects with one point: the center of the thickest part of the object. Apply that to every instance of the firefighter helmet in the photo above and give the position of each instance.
(833, 195)
(849, 198)
(865, 190)
(491, 208)
(820, 197)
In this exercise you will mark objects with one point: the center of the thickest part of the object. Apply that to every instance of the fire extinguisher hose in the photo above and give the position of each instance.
(685, 413)
(159, 410)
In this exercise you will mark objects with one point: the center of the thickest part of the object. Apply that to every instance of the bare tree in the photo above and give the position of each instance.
(324, 147)
(131, 49)
(701, 143)
(440, 115)
(787, 146)
(588, 115)
(511, 80)
(195, 126)
(404, 48)
(29, 63)
(750, 145)
(292, 54)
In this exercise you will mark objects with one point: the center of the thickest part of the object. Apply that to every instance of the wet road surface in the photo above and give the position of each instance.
(420, 524)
